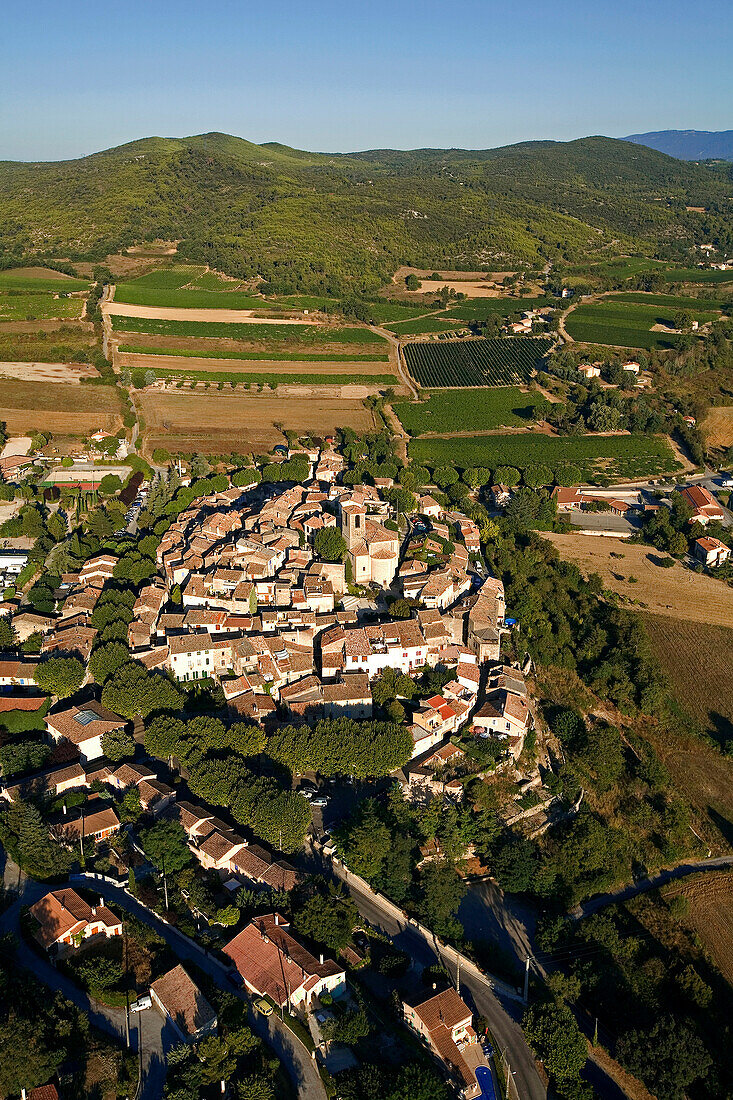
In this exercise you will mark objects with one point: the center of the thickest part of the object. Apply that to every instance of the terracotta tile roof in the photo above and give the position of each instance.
(63, 911)
(264, 952)
(184, 1002)
(91, 824)
(79, 724)
(446, 1009)
(44, 1092)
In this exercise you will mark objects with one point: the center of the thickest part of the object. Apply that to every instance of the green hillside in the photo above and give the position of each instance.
(322, 223)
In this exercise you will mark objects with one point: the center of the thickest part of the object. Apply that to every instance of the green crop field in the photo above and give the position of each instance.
(466, 410)
(284, 356)
(625, 324)
(67, 344)
(618, 456)
(20, 306)
(669, 301)
(270, 334)
(422, 325)
(479, 309)
(499, 362)
(135, 295)
(170, 278)
(277, 377)
(9, 281)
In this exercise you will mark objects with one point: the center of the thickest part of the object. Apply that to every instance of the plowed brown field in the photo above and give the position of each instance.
(220, 424)
(58, 408)
(710, 898)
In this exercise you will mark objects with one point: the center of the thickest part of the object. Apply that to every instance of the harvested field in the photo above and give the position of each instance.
(710, 900)
(28, 406)
(717, 427)
(697, 660)
(36, 273)
(222, 316)
(678, 593)
(221, 423)
(71, 373)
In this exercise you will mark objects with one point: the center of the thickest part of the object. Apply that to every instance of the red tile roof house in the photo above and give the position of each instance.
(445, 1023)
(274, 964)
(712, 552)
(64, 919)
(182, 1002)
(84, 726)
(43, 1092)
(705, 507)
(96, 826)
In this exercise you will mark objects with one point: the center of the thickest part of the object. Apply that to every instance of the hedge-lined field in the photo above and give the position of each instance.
(626, 324)
(290, 356)
(619, 456)
(272, 334)
(277, 377)
(499, 362)
(479, 309)
(466, 410)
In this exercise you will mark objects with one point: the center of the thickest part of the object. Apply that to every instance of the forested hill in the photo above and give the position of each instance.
(689, 144)
(320, 221)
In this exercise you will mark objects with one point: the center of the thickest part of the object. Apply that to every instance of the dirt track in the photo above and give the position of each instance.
(226, 316)
(676, 592)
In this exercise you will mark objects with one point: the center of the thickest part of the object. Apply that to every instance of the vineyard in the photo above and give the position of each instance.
(501, 362)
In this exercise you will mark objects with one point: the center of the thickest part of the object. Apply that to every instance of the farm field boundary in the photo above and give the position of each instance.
(275, 377)
(710, 912)
(266, 330)
(453, 410)
(230, 357)
(479, 362)
(622, 457)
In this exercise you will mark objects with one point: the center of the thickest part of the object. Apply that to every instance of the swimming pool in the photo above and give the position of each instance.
(485, 1079)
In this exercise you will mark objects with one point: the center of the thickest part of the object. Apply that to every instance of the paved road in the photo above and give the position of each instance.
(294, 1056)
(650, 883)
(499, 1012)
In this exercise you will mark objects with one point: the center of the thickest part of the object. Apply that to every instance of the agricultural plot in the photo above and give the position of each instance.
(183, 298)
(669, 301)
(29, 406)
(267, 334)
(172, 278)
(466, 410)
(274, 377)
(480, 309)
(197, 352)
(619, 456)
(620, 269)
(626, 324)
(62, 344)
(499, 362)
(423, 325)
(717, 427)
(18, 305)
(710, 912)
(29, 284)
(224, 422)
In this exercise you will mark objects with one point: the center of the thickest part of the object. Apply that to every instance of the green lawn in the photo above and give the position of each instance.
(618, 456)
(268, 334)
(626, 324)
(268, 353)
(466, 410)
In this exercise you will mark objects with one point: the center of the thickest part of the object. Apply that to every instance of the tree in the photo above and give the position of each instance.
(328, 919)
(400, 609)
(682, 320)
(60, 676)
(554, 1035)
(507, 475)
(330, 544)
(106, 659)
(445, 476)
(537, 475)
(109, 484)
(166, 846)
(8, 637)
(476, 476)
(118, 745)
(680, 1057)
(440, 890)
(412, 282)
(392, 683)
(25, 835)
(28, 1060)
(133, 690)
(130, 808)
(366, 841)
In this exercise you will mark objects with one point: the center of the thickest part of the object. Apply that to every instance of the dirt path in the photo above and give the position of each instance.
(394, 344)
(401, 439)
(226, 316)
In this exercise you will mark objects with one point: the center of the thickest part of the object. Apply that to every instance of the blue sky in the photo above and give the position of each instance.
(358, 74)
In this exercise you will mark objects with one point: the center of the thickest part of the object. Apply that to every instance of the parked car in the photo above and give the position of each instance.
(320, 800)
(143, 1002)
(263, 1007)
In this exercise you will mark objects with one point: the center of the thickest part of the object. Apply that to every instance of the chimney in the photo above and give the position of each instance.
(23, 1094)
(321, 957)
(64, 809)
(277, 918)
(101, 903)
(94, 910)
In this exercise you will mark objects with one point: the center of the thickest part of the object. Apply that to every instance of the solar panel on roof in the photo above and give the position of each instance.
(84, 717)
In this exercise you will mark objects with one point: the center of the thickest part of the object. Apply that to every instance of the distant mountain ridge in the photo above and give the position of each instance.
(688, 144)
(329, 223)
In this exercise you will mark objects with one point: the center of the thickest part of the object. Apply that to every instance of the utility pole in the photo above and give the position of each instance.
(165, 884)
(527, 961)
(127, 989)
